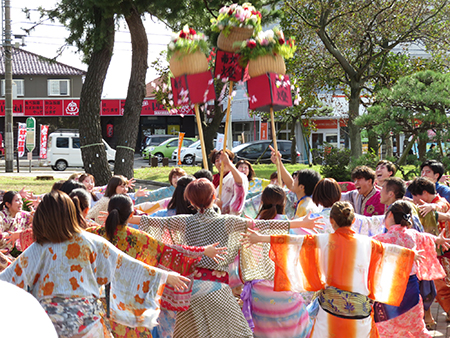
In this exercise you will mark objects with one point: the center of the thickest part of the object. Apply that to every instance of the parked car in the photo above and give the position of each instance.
(251, 151)
(154, 140)
(191, 154)
(166, 148)
(63, 150)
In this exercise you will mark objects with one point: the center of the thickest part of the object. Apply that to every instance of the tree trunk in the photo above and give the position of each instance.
(389, 146)
(210, 129)
(294, 141)
(92, 148)
(353, 112)
(128, 127)
(372, 145)
(422, 148)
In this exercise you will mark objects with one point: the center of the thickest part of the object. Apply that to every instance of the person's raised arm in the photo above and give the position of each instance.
(285, 175)
(228, 166)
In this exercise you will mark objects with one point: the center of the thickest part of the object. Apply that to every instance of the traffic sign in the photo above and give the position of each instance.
(31, 134)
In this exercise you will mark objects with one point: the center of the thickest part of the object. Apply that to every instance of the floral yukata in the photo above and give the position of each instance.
(348, 269)
(214, 312)
(67, 278)
(233, 195)
(146, 249)
(406, 320)
(22, 221)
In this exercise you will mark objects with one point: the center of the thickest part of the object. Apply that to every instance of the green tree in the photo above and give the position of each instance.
(91, 27)
(343, 45)
(414, 105)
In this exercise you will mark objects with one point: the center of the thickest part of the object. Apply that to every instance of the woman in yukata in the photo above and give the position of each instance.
(14, 223)
(66, 268)
(406, 320)
(348, 270)
(269, 313)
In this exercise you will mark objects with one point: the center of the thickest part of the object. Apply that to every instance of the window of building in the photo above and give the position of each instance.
(19, 84)
(58, 87)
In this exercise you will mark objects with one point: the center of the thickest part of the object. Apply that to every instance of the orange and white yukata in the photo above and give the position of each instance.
(348, 269)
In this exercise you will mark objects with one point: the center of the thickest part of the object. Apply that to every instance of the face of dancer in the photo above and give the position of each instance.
(122, 189)
(175, 179)
(363, 186)
(386, 196)
(88, 183)
(425, 197)
(382, 173)
(243, 168)
(427, 172)
(16, 204)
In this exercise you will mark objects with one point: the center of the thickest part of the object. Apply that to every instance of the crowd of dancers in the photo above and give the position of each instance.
(304, 257)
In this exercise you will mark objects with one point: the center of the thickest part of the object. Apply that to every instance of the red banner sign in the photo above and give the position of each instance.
(22, 135)
(43, 142)
(71, 107)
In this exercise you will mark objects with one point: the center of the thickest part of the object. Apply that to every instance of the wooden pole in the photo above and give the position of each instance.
(200, 136)
(225, 136)
(275, 146)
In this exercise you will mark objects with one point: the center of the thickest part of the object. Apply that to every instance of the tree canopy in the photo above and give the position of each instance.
(414, 105)
(344, 45)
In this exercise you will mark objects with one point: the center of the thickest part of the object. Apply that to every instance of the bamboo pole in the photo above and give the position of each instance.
(275, 146)
(200, 136)
(225, 136)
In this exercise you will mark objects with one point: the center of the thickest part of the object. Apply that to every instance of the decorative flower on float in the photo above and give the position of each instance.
(187, 41)
(235, 15)
(270, 42)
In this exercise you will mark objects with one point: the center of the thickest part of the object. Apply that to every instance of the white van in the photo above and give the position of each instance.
(63, 150)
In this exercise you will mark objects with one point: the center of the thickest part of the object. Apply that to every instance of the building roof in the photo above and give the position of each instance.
(150, 87)
(27, 63)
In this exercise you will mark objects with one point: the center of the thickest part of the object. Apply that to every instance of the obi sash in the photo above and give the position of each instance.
(345, 304)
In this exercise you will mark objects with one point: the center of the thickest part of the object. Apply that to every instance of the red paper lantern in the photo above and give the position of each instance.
(192, 89)
(109, 130)
(227, 67)
(269, 90)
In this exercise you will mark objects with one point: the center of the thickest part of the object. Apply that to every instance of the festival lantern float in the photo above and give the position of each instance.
(235, 23)
(269, 87)
(192, 82)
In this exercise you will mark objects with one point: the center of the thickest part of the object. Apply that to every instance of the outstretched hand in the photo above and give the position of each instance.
(252, 237)
(443, 242)
(425, 208)
(213, 252)
(177, 281)
(418, 257)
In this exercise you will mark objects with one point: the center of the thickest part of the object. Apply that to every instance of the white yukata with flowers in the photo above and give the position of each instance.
(67, 278)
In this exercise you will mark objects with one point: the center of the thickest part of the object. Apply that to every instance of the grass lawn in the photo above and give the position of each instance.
(31, 183)
(160, 174)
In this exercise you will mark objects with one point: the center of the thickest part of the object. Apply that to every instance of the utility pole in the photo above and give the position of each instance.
(7, 46)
